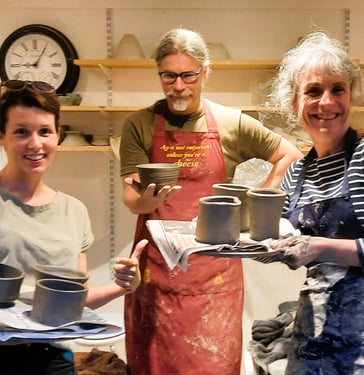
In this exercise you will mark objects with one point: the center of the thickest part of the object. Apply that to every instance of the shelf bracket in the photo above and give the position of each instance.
(105, 70)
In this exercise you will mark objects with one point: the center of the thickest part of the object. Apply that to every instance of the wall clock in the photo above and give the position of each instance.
(39, 53)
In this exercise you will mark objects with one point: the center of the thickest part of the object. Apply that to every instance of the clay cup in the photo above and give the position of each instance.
(239, 191)
(57, 302)
(46, 271)
(218, 220)
(11, 279)
(265, 210)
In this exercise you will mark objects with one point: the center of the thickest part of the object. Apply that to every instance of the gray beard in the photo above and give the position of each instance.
(180, 105)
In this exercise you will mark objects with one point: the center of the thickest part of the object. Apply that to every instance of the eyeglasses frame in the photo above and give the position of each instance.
(180, 75)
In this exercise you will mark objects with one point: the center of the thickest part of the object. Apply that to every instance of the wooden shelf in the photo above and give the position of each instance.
(101, 108)
(149, 63)
(84, 148)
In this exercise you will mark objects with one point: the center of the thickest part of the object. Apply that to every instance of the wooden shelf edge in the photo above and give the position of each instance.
(101, 108)
(84, 148)
(150, 63)
(115, 63)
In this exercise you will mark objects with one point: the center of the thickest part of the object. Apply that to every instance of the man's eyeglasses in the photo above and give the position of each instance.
(187, 77)
(35, 86)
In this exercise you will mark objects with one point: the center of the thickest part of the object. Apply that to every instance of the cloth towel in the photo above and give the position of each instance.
(271, 339)
(98, 362)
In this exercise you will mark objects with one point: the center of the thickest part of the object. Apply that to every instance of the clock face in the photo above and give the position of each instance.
(36, 57)
(39, 53)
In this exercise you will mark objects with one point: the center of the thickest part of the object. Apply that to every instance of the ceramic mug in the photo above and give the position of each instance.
(11, 279)
(265, 210)
(218, 220)
(57, 302)
(239, 191)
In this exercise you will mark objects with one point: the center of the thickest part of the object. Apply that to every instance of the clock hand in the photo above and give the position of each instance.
(27, 65)
(35, 64)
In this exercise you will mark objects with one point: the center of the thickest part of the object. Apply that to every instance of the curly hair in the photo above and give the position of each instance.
(315, 52)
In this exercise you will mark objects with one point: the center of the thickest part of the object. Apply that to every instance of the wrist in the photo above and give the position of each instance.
(360, 249)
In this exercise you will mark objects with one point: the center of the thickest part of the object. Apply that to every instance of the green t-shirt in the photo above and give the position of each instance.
(242, 136)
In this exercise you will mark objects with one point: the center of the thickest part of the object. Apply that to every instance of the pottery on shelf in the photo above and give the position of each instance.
(74, 138)
(100, 140)
(265, 210)
(235, 190)
(218, 220)
(129, 48)
(65, 99)
(218, 51)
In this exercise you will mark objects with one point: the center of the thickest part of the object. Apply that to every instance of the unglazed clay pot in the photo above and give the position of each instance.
(218, 220)
(161, 174)
(239, 191)
(129, 48)
(47, 271)
(57, 302)
(265, 210)
(218, 51)
(11, 279)
(74, 138)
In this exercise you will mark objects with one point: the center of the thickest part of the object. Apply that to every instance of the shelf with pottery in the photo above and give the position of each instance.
(84, 148)
(102, 108)
(150, 63)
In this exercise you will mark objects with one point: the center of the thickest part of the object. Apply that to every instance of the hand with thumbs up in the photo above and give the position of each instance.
(127, 273)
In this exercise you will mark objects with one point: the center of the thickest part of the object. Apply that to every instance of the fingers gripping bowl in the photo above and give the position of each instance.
(161, 174)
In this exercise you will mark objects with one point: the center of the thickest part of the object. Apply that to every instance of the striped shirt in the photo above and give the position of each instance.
(324, 180)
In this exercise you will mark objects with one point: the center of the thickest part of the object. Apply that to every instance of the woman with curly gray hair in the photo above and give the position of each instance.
(316, 86)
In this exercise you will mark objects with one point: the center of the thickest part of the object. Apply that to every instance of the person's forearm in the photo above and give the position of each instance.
(134, 200)
(343, 252)
(285, 154)
(101, 295)
(138, 205)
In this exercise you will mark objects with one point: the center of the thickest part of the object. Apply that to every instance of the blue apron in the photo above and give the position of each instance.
(329, 324)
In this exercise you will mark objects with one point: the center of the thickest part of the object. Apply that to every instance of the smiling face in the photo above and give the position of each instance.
(30, 140)
(182, 98)
(323, 105)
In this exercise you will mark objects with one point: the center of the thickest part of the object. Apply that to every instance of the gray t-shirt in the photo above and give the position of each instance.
(55, 233)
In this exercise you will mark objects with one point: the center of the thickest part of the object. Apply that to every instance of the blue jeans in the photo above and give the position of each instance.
(35, 359)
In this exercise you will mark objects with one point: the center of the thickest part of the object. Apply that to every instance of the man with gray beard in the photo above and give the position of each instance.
(188, 322)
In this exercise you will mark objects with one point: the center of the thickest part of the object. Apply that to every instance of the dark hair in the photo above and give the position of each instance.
(27, 98)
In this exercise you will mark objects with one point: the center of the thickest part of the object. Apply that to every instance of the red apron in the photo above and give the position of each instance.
(185, 322)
